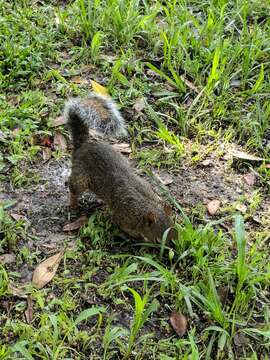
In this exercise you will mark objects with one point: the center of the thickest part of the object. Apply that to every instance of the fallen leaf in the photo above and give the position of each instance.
(16, 216)
(46, 270)
(15, 291)
(123, 148)
(250, 179)
(7, 258)
(213, 206)
(59, 141)
(179, 323)
(46, 153)
(75, 224)
(139, 104)
(46, 141)
(29, 311)
(60, 120)
(79, 80)
(99, 89)
(245, 156)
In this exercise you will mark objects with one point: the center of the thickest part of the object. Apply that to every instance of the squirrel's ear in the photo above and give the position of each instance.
(168, 209)
(150, 218)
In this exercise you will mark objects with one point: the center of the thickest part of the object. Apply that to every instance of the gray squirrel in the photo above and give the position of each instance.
(99, 168)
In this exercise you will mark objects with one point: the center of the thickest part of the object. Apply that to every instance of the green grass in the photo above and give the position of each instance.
(190, 277)
(202, 68)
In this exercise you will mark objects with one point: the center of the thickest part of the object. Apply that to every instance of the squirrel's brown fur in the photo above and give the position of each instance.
(98, 167)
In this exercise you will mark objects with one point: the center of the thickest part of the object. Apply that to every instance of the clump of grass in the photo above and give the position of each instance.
(141, 314)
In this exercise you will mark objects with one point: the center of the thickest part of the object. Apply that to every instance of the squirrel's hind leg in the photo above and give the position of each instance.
(77, 185)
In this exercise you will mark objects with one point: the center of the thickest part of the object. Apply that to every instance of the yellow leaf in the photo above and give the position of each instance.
(46, 270)
(99, 89)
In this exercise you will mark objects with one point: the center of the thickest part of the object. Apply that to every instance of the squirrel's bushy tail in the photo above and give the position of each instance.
(96, 112)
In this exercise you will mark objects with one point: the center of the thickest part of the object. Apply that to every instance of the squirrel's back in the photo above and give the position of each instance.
(97, 112)
(98, 167)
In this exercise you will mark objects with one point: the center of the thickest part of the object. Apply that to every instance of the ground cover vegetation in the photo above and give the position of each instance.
(192, 80)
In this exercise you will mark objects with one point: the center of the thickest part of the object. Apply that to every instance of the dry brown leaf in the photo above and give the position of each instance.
(7, 258)
(179, 323)
(59, 141)
(46, 141)
(99, 89)
(139, 104)
(29, 311)
(79, 80)
(75, 224)
(245, 156)
(123, 148)
(46, 270)
(16, 216)
(60, 120)
(213, 206)
(250, 179)
(46, 153)
(15, 291)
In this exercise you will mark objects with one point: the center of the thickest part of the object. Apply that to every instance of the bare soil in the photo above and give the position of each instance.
(45, 203)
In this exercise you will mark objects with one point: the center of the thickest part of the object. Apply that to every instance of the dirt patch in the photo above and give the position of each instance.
(45, 204)
(201, 184)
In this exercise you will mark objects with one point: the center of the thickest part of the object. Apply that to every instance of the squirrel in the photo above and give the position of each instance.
(99, 168)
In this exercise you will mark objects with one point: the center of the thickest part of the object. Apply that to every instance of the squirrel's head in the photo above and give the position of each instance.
(156, 222)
